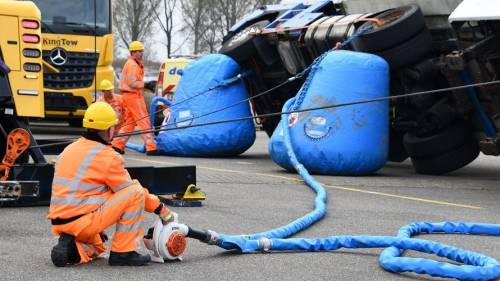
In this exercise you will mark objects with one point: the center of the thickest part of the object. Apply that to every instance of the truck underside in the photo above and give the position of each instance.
(424, 52)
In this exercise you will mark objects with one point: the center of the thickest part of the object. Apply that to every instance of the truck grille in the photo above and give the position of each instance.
(63, 102)
(77, 72)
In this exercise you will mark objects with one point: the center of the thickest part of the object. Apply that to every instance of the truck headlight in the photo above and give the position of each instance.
(31, 53)
(32, 67)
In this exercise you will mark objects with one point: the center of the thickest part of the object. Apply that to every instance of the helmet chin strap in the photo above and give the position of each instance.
(107, 135)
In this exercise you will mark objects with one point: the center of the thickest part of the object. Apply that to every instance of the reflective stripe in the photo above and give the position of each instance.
(93, 187)
(92, 200)
(127, 216)
(119, 198)
(83, 186)
(87, 247)
(123, 185)
(61, 181)
(129, 227)
(134, 84)
(74, 184)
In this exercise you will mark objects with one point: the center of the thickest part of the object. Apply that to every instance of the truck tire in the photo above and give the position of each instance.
(445, 141)
(402, 24)
(447, 162)
(408, 52)
(397, 151)
(241, 46)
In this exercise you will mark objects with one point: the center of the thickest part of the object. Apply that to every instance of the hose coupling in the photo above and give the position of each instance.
(212, 237)
(265, 244)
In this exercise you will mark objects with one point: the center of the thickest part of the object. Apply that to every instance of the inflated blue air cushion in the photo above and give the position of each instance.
(226, 139)
(351, 140)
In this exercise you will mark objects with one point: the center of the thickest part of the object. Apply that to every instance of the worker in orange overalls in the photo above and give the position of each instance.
(116, 101)
(132, 87)
(91, 191)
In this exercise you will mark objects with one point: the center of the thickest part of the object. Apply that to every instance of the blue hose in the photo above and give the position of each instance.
(136, 147)
(152, 108)
(475, 266)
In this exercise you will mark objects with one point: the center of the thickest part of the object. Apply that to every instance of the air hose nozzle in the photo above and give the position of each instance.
(206, 236)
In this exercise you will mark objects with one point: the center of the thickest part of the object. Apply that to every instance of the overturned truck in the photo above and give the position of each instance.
(445, 45)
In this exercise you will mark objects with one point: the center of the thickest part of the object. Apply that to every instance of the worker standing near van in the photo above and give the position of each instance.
(116, 101)
(132, 88)
(91, 191)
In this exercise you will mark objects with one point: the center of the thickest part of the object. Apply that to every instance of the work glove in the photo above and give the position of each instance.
(166, 215)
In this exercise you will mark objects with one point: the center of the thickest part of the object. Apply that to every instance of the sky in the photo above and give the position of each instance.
(186, 49)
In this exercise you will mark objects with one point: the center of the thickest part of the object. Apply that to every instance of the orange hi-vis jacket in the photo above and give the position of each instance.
(86, 174)
(132, 79)
(91, 191)
(117, 104)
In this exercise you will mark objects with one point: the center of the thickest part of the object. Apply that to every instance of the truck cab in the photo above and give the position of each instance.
(77, 49)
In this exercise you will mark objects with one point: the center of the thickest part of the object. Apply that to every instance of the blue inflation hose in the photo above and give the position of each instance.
(152, 108)
(136, 147)
(306, 221)
(474, 265)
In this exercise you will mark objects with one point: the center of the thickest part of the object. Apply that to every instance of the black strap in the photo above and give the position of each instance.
(59, 221)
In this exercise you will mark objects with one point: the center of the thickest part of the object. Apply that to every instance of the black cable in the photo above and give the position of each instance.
(239, 76)
(53, 144)
(320, 107)
(289, 80)
(300, 110)
(232, 105)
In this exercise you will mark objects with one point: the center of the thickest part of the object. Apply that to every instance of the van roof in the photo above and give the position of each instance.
(476, 10)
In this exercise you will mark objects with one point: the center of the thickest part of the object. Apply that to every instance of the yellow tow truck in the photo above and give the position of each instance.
(25, 175)
(77, 48)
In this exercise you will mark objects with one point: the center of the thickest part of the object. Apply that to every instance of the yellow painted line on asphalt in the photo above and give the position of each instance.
(410, 198)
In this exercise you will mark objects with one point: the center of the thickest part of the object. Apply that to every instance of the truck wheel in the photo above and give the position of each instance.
(447, 162)
(408, 52)
(445, 141)
(397, 152)
(400, 25)
(241, 46)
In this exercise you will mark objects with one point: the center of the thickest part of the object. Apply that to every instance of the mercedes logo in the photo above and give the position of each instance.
(58, 56)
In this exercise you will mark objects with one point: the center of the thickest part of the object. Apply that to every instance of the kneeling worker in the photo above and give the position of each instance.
(91, 191)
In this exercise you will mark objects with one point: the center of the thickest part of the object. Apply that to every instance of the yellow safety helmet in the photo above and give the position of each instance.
(135, 46)
(100, 116)
(106, 85)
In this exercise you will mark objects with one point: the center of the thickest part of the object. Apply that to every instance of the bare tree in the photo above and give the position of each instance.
(195, 18)
(210, 20)
(261, 3)
(166, 21)
(210, 39)
(133, 21)
(231, 11)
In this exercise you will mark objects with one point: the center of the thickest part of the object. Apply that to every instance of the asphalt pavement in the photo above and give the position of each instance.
(250, 193)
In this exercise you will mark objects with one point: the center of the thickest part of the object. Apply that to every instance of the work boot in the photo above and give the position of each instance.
(128, 258)
(65, 252)
(121, 151)
(153, 153)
